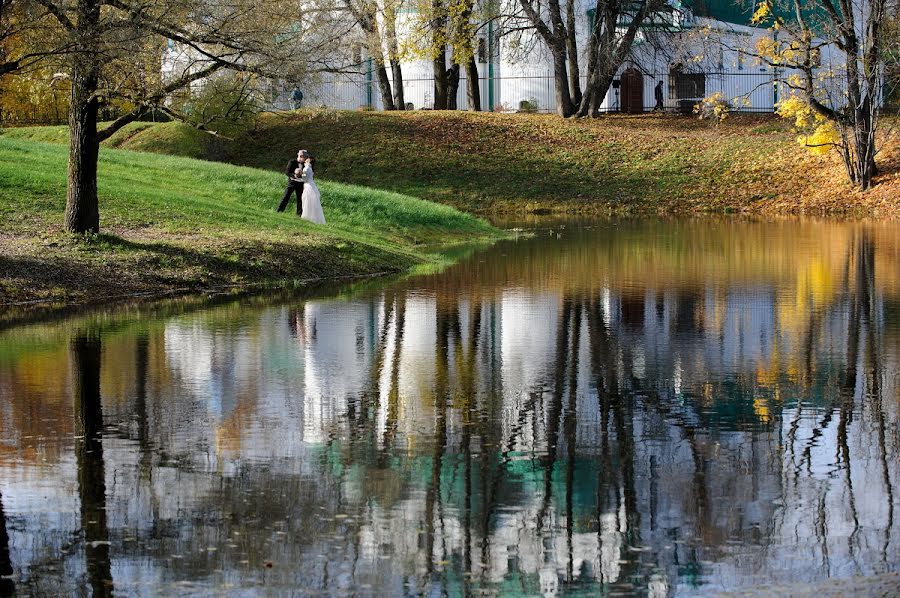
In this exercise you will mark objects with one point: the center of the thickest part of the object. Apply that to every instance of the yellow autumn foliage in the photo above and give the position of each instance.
(817, 133)
(762, 12)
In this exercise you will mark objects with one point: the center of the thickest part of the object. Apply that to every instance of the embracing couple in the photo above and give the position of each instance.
(300, 180)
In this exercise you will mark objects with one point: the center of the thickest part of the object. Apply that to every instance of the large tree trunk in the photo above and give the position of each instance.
(606, 54)
(390, 30)
(572, 51)
(439, 66)
(384, 85)
(473, 88)
(561, 82)
(82, 209)
(439, 53)
(452, 86)
(376, 52)
(399, 99)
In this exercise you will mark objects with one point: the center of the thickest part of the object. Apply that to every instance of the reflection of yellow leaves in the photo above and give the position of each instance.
(821, 283)
(761, 409)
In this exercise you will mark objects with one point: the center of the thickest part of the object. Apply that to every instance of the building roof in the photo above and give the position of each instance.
(740, 12)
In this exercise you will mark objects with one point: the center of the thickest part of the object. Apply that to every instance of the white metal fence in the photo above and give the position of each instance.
(745, 90)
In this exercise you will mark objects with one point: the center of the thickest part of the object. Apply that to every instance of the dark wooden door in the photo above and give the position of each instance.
(632, 91)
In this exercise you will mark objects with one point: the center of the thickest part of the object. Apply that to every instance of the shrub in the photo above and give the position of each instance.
(714, 108)
(529, 106)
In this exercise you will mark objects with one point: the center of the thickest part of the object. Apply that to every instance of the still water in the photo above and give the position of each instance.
(655, 408)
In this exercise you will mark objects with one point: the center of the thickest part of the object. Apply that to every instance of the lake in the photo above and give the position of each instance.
(626, 407)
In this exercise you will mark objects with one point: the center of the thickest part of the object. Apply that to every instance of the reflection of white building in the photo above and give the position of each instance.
(249, 450)
(338, 343)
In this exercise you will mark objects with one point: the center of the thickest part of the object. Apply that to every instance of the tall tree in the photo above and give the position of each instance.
(365, 13)
(846, 97)
(438, 20)
(93, 39)
(609, 44)
(462, 40)
(547, 20)
(391, 10)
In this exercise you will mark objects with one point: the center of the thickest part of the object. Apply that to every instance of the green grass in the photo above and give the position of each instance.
(517, 163)
(171, 222)
(493, 163)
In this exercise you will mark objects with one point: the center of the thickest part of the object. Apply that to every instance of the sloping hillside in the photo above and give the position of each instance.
(494, 163)
(175, 223)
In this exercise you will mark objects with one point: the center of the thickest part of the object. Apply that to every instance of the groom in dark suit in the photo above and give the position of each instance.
(294, 183)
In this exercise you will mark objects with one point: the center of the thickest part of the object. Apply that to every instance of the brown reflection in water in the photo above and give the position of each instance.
(85, 358)
(455, 459)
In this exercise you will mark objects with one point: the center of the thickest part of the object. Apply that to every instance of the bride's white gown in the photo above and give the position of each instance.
(311, 198)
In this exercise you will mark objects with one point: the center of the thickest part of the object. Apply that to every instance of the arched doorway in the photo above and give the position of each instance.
(632, 91)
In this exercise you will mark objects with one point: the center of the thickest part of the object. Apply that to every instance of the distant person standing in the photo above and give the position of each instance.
(294, 172)
(658, 94)
(296, 98)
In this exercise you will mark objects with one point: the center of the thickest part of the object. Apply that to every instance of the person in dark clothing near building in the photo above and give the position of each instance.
(295, 183)
(658, 94)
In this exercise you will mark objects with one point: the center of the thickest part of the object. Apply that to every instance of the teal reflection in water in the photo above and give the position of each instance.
(640, 407)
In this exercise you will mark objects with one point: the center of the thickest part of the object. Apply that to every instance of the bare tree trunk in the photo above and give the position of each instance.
(555, 36)
(473, 85)
(439, 62)
(452, 86)
(441, 90)
(390, 30)
(561, 83)
(82, 209)
(384, 85)
(572, 51)
(606, 53)
(399, 98)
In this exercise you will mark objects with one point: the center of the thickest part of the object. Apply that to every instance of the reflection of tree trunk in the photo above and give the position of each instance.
(142, 358)
(570, 433)
(441, 386)
(863, 315)
(85, 355)
(7, 587)
(393, 401)
(555, 410)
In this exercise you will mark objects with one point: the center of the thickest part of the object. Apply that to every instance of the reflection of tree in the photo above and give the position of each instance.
(863, 324)
(7, 588)
(85, 356)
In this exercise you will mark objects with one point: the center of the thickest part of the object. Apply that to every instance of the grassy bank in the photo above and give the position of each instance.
(494, 163)
(172, 223)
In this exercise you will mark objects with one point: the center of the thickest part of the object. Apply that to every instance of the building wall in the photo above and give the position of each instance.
(517, 69)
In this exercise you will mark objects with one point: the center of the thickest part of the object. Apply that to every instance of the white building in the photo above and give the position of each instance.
(700, 49)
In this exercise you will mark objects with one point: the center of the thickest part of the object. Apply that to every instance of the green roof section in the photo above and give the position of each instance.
(740, 12)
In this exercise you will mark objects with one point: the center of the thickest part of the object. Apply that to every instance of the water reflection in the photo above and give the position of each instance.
(659, 408)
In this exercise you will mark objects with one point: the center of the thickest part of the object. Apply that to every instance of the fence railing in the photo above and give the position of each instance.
(745, 90)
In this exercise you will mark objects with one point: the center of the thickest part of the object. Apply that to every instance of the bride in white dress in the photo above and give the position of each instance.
(311, 198)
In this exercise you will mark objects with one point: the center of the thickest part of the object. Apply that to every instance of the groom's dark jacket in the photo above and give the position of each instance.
(289, 171)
